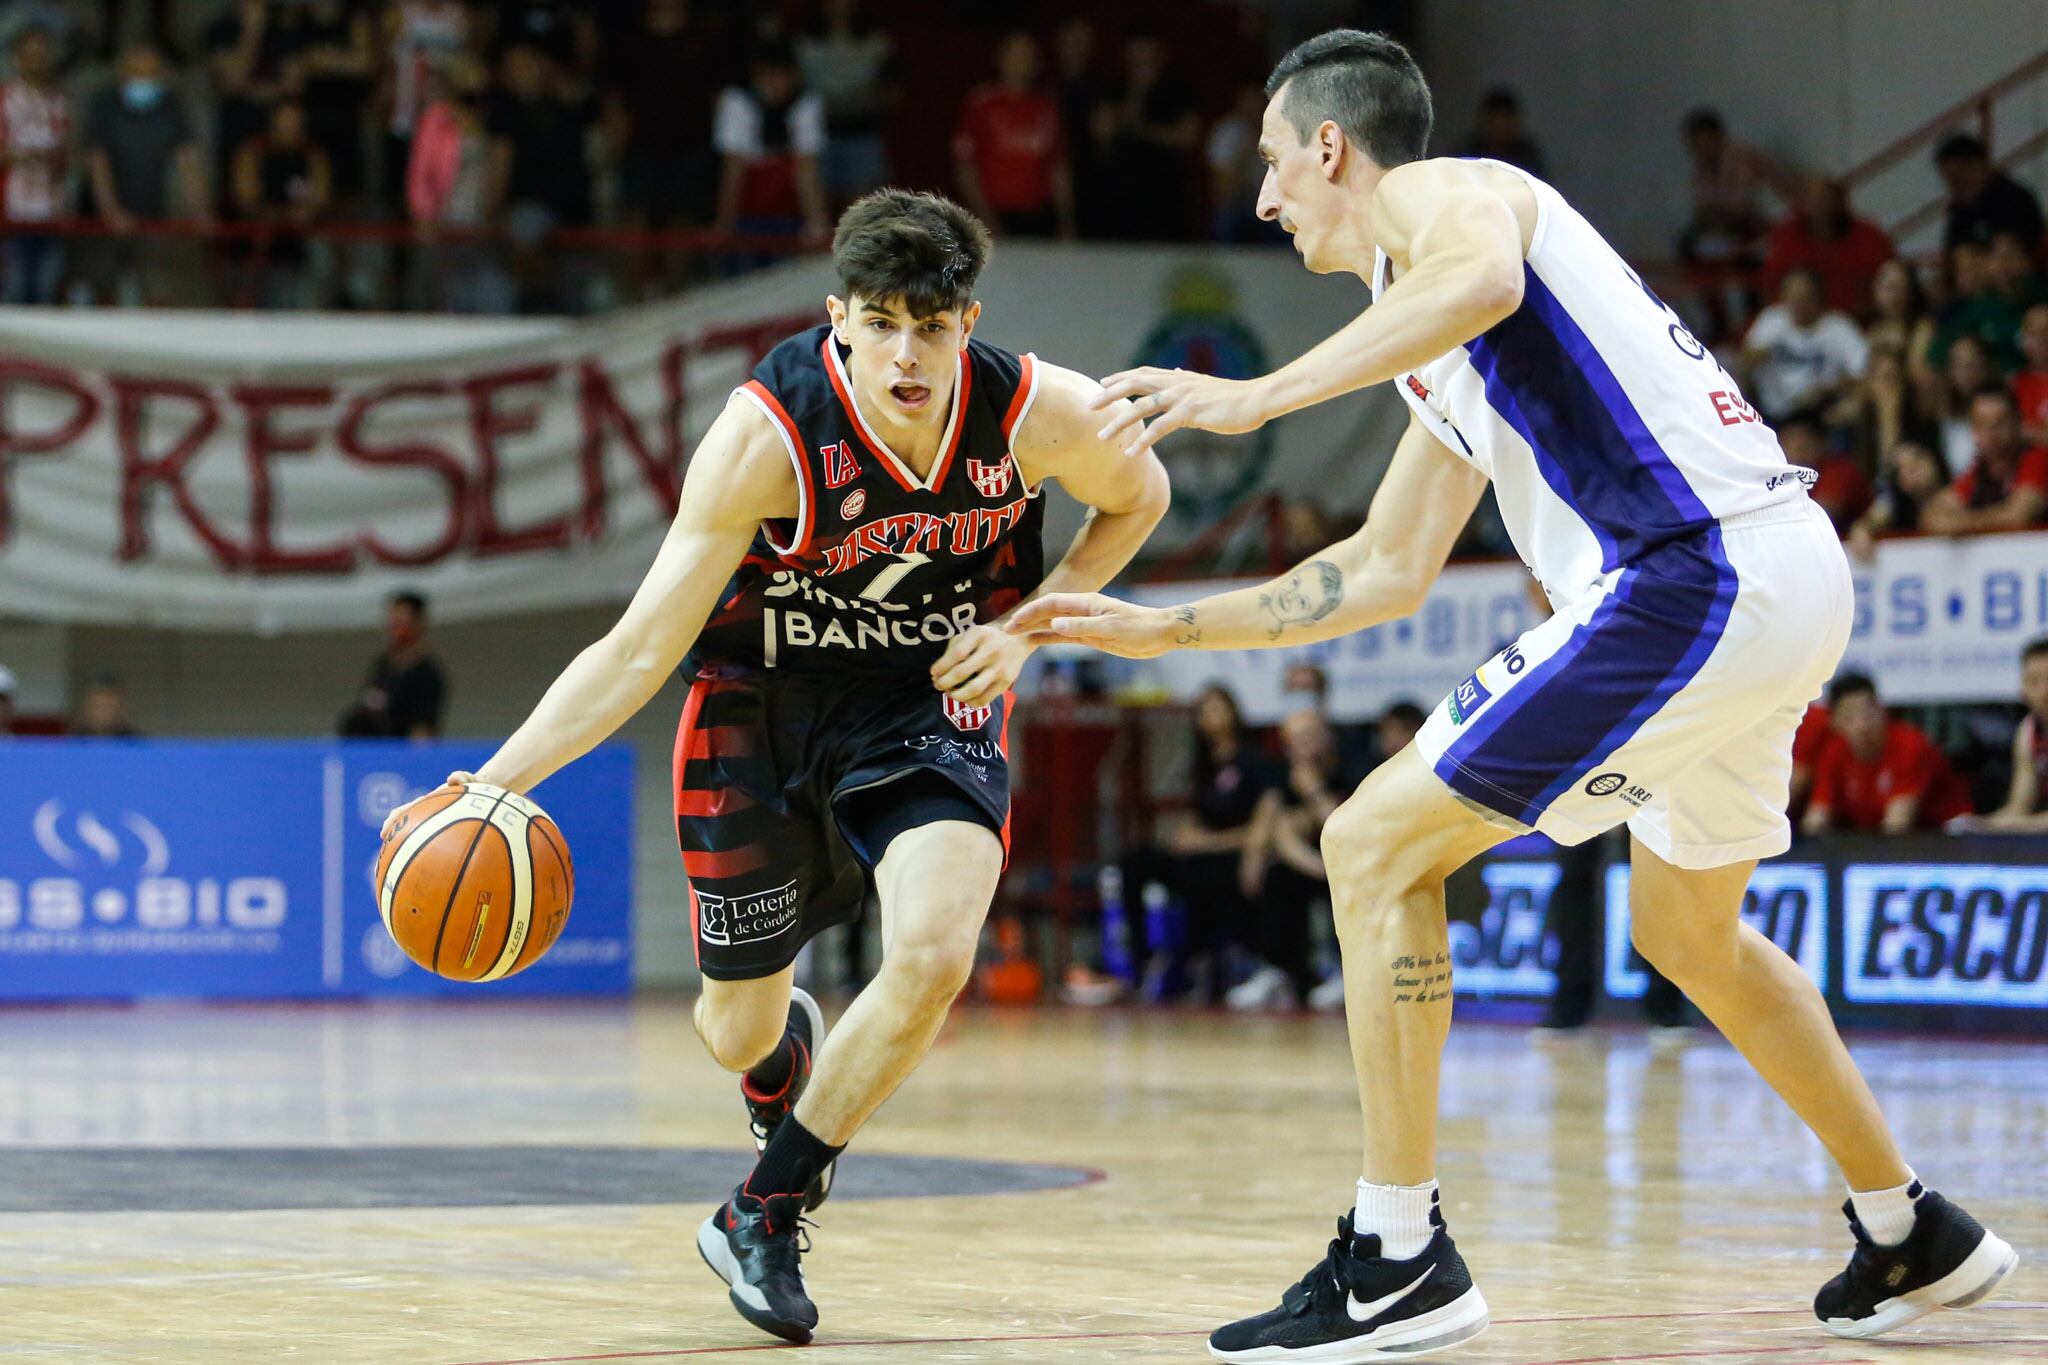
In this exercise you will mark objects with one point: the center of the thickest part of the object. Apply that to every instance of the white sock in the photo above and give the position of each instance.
(1887, 1215)
(1397, 1214)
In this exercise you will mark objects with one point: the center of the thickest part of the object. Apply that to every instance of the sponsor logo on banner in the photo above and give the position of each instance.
(1505, 952)
(965, 717)
(990, 480)
(105, 888)
(1786, 902)
(729, 920)
(1941, 619)
(1945, 934)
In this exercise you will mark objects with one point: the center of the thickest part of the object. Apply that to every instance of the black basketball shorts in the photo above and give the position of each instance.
(776, 778)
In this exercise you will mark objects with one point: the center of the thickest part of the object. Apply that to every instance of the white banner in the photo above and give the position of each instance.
(1945, 620)
(284, 472)
(1473, 611)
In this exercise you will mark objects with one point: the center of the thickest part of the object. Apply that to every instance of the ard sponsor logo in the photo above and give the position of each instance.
(730, 920)
(991, 480)
(965, 717)
(1605, 784)
(1945, 933)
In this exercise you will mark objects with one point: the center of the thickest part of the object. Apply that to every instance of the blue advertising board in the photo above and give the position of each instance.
(246, 870)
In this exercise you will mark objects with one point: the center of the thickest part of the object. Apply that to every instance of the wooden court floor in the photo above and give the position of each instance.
(162, 1195)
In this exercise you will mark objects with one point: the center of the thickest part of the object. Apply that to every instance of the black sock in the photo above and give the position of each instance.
(792, 1160)
(767, 1077)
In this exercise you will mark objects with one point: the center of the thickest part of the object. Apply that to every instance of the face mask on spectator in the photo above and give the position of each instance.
(141, 93)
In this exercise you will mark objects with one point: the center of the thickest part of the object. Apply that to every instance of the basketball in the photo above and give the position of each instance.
(475, 884)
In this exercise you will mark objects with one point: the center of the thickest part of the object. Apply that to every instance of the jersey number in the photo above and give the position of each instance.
(881, 584)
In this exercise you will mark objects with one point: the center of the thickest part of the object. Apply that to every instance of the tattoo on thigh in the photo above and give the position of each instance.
(1308, 594)
(1421, 980)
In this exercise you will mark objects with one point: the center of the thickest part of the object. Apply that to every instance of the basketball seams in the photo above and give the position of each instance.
(545, 828)
(508, 821)
(416, 839)
(519, 882)
(455, 883)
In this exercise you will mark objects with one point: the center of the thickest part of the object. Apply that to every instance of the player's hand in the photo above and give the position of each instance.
(1089, 618)
(980, 665)
(455, 781)
(1167, 400)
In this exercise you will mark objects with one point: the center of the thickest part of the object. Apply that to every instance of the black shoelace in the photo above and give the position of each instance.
(1325, 1283)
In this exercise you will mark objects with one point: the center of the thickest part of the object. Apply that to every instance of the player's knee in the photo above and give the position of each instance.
(1678, 945)
(928, 971)
(1361, 846)
(736, 1039)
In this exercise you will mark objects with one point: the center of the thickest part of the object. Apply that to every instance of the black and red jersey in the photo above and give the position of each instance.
(879, 569)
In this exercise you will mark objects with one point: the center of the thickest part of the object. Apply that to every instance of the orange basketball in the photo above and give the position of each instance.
(475, 884)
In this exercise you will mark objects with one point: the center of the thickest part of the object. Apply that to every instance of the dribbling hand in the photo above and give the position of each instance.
(397, 816)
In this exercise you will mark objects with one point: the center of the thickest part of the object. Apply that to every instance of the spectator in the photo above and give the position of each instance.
(1147, 133)
(333, 63)
(1840, 485)
(1821, 235)
(1010, 149)
(1965, 370)
(103, 712)
(1888, 409)
(1809, 742)
(1498, 133)
(1910, 479)
(406, 689)
(138, 144)
(563, 31)
(1798, 354)
(1397, 727)
(422, 40)
(845, 63)
(540, 179)
(2014, 274)
(2030, 385)
(1982, 200)
(448, 186)
(770, 134)
(58, 21)
(35, 150)
(2026, 803)
(1879, 773)
(1900, 320)
(1722, 243)
(1236, 171)
(252, 50)
(1078, 88)
(1306, 685)
(282, 181)
(2006, 485)
(1978, 308)
(1281, 870)
(662, 81)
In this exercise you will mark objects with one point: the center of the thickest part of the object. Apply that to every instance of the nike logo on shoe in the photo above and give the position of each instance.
(1366, 1312)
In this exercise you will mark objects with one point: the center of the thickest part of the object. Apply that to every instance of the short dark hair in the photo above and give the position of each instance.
(1406, 713)
(1995, 389)
(1704, 120)
(2036, 649)
(1366, 84)
(920, 247)
(1502, 99)
(415, 602)
(1851, 685)
(1961, 147)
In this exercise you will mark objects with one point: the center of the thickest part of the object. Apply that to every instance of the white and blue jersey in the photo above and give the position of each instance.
(1696, 587)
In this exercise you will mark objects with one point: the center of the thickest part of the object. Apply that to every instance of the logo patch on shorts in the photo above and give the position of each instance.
(1606, 784)
(966, 717)
(1470, 696)
(726, 920)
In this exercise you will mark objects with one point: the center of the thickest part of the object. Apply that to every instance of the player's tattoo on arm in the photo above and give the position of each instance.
(1308, 594)
(1421, 980)
(1189, 633)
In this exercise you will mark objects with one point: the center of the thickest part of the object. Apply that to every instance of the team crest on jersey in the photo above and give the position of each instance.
(993, 480)
(841, 468)
(966, 717)
(856, 502)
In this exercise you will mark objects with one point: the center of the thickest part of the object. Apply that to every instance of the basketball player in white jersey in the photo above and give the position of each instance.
(1701, 600)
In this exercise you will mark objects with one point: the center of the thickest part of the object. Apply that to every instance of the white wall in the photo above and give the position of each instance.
(1818, 83)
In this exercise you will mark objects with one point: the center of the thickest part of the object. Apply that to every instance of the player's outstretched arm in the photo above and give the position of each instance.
(739, 476)
(1125, 498)
(1464, 248)
(1381, 572)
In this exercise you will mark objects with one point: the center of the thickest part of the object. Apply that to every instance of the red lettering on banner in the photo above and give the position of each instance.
(263, 443)
(1732, 408)
(418, 455)
(140, 471)
(25, 372)
(600, 411)
(487, 424)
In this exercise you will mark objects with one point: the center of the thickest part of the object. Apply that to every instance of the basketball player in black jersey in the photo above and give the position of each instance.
(852, 528)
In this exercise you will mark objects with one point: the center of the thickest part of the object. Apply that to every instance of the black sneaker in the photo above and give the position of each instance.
(1948, 1260)
(756, 1246)
(1359, 1306)
(766, 1112)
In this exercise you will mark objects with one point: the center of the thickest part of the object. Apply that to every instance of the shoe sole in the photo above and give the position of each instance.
(1981, 1272)
(717, 1254)
(1460, 1320)
(821, 1188)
